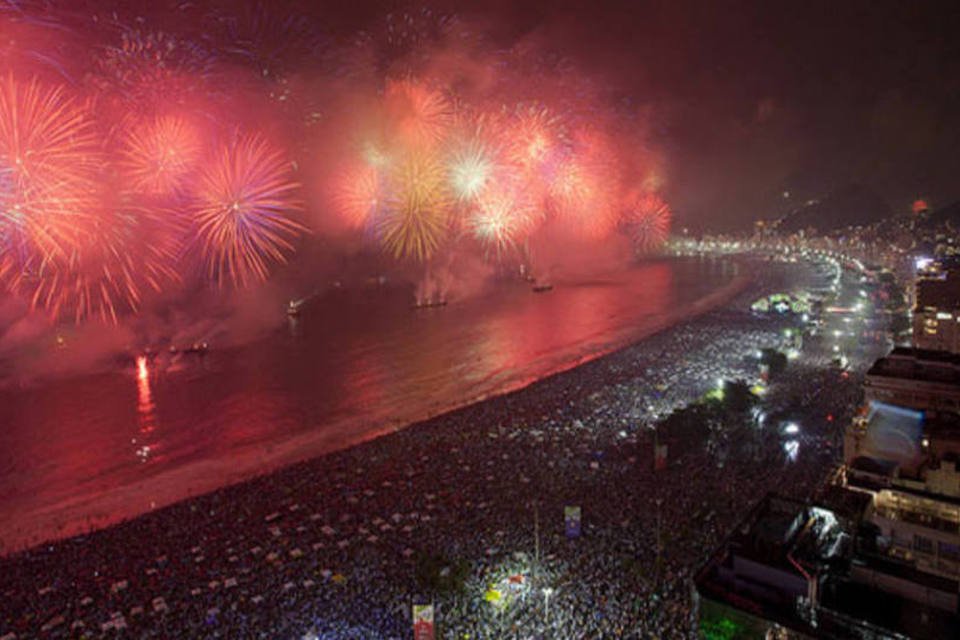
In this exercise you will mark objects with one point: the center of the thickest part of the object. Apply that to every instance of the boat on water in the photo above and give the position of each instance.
(295, 307)
(197, 348)
(542, 287)
(430, 304)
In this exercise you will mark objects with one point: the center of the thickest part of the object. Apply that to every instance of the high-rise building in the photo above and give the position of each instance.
(918, 379)
(794, 570)
(936, 310)
(907, 463)
(877, 555)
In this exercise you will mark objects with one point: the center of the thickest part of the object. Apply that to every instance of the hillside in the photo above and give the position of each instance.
(849, 206)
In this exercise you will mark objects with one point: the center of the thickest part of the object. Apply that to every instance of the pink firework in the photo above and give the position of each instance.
(358, 195)
(49, 159)
(503, 216)
(159, 155)
(418, 114)
(127, 252)
(242, 206)
(151, 68)
(534, 134)
(585, 185)
(581, 198)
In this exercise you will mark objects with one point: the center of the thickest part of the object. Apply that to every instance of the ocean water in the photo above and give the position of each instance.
(93, 449)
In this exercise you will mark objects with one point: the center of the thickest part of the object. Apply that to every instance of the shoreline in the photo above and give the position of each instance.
(79, 517)
(336, 547)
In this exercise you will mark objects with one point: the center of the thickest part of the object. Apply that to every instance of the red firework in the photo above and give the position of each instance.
(581, 196)
(503, 216)
(49, 158)
(357, 195)
(647, 220)
(418, 114)
(586, 185)
(127, 252)
(243, 201)
(534, 134)
(159, 155)
(151, 68)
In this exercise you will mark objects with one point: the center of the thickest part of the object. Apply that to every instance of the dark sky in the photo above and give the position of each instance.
(751, 99)
(755, 98)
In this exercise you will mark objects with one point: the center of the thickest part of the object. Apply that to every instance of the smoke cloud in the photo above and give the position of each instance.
(202, 165)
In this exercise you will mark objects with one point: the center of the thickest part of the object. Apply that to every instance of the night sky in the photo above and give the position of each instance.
(747, 99)
(752, 99)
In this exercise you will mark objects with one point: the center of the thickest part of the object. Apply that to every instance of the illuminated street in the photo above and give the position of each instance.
(299, 558)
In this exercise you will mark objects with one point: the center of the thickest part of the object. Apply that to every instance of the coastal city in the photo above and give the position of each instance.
(399, 322)
(340, 546)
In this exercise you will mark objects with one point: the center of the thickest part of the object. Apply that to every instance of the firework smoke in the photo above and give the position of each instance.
(123, 177)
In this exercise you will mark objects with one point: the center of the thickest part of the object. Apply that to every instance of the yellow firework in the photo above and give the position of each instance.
(416, 219)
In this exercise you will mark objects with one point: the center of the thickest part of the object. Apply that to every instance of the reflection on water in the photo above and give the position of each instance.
(351, 363)
(146, 410)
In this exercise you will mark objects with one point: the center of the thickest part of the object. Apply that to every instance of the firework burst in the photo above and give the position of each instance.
(151, 68)
(159, 155)
(49, 157)
(535, 133)
(471, 169)
(128, 252)
(416, 219)
(243, 202)
(502, 217)
(419, 115)
(358, 195)
(647, 221)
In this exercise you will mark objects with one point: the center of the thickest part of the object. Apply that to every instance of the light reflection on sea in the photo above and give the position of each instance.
(352, 363)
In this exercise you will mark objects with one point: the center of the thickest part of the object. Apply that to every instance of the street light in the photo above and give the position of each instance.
(547, 592)
(659, 502)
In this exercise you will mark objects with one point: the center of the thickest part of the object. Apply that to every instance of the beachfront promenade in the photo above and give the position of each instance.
(467, 511)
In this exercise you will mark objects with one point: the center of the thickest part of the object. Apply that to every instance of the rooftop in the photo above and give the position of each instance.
(846, 603)
(940, 288)
(770, 588)
(923, 365)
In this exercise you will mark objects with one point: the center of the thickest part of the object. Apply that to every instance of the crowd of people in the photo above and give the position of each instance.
(466, 511)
